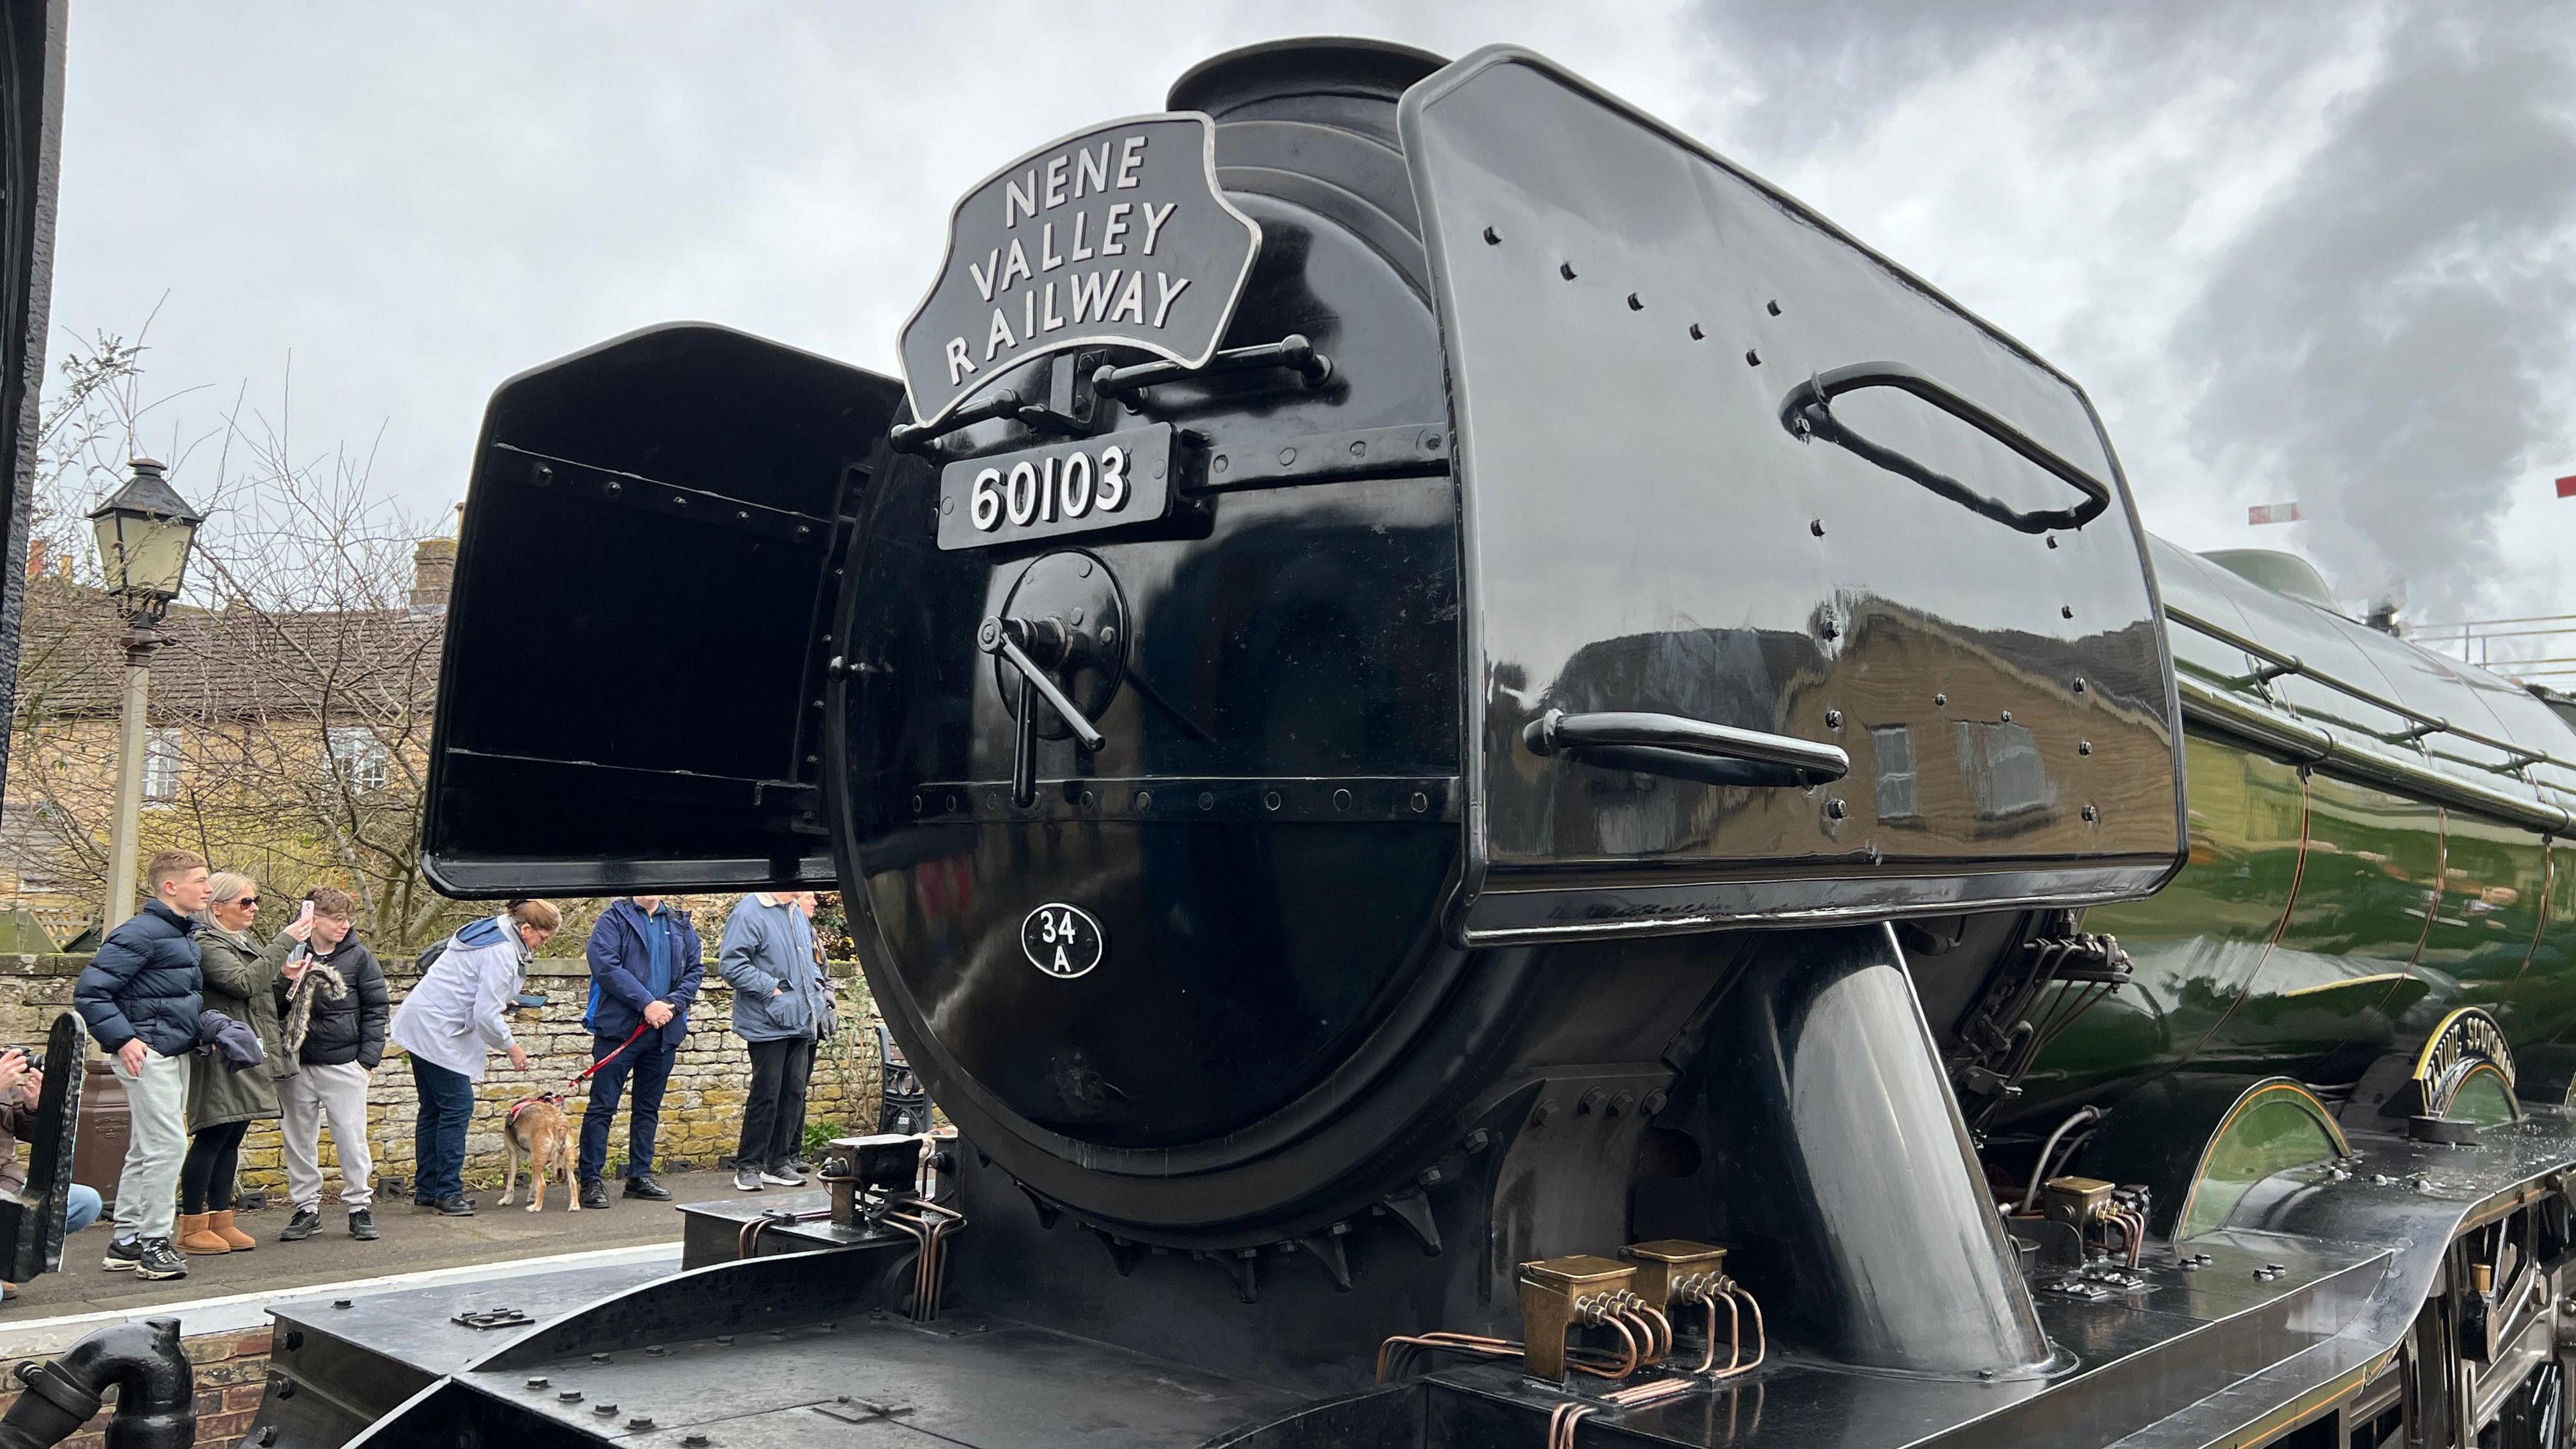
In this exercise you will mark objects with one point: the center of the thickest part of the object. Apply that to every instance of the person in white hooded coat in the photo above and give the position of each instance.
(450, 1024)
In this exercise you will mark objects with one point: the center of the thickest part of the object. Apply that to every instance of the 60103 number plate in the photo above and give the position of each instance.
(1077, 487)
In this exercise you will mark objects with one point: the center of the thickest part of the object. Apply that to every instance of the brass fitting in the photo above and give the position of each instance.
(1670, 1270)
(1556, 1294)
(2078, 1202)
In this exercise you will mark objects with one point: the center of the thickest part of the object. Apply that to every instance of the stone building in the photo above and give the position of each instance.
(289, 744)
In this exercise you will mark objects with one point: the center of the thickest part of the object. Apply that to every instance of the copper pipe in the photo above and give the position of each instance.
(1627, 1365)
(1445, 1343)
(1560, 1425)
(1761, 1335)
(1638, 1395)
(1663, 1326)
(919, 1234)
(1644, 1331)
(1734, 1334)
(927, 1265)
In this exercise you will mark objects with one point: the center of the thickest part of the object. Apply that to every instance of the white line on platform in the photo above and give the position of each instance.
(242, 1312)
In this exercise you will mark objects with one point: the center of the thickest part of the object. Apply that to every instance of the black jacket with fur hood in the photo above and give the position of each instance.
(351, 1028)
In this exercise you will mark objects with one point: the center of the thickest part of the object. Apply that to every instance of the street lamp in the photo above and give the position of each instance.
(144, 532)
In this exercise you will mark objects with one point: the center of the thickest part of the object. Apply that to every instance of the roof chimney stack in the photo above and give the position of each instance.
(433, 568)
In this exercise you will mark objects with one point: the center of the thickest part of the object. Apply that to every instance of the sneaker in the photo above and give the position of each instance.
(645, 1187)
(159, 1261)
(594, 1193)
(123, 1254)
(306, 1222)
(799, 1165)
(745, 1179)
(459, 1206)
(781, 1176)
(362, 1225)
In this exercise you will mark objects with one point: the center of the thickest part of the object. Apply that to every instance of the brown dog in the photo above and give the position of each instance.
(538, 1130)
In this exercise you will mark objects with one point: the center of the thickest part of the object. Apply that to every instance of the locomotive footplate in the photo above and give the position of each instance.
(2231, 1336)
(773, 1222)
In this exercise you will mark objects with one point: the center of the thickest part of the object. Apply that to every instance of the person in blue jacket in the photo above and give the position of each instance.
(140, 995)
(645, 968)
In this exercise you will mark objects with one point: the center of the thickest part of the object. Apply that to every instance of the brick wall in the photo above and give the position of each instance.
(232, 1371)
(701, 1112)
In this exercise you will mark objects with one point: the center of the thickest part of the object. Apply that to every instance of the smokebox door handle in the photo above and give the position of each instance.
(1808, 412)
(1692, 749)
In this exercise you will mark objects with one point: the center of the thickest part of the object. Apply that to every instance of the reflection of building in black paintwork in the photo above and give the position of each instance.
(1962, 744)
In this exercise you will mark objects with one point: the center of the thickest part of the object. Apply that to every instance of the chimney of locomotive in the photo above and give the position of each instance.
(1312, 121)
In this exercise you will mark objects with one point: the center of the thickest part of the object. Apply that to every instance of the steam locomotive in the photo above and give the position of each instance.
(1514, 795)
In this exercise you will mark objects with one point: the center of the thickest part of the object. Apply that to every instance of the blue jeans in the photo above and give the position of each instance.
(438, 1133)
(649, 1065)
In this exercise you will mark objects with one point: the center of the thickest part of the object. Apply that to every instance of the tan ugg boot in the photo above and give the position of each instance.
(221, 1225)
(196, 1239)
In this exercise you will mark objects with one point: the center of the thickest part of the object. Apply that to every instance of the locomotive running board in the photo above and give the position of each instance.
(2295, 1307)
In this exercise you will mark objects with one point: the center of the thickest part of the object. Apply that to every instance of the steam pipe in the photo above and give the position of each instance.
(156, 1391)
(2039, 1169)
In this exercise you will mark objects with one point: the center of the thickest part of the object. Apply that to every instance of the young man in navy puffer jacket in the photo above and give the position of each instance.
(141, 999)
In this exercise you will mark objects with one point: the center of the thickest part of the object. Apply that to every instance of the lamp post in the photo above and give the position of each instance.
(144, 531)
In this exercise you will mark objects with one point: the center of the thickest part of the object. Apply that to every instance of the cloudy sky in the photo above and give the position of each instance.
(2310, 251)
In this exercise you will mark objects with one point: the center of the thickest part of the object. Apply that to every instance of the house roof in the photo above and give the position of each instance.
(231, 664)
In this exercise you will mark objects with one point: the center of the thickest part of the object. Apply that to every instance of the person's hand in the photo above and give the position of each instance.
(131, 1054)
(657, 1013)
(300, 929)
(35, 1082)
(777, 991)
(296, 968)
(518, 1057)
(13, 1069)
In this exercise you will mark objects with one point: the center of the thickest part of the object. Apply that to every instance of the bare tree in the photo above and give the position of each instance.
(293, 698)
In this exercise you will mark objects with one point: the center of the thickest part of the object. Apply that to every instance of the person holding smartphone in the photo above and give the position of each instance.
(336, 1005)
(241, 979)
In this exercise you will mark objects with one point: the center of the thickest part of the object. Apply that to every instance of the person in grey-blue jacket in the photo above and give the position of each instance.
(779, 1004)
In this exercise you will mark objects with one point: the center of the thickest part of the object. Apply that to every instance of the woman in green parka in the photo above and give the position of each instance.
(241, 982)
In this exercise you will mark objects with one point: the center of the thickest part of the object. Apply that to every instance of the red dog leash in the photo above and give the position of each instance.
(632, 1038)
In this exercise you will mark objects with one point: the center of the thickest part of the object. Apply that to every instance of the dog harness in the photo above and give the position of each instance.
(524, 1103)
(533, 1098)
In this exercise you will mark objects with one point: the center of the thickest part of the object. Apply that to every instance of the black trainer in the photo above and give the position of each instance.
(642, 1185)
(306, 1222)
(362, 1224)
(123, 1254)
(459, 1206)
(594, 1193)
(159, 1261)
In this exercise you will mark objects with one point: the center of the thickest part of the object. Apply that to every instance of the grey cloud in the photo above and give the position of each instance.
(417, 203)
(2385, 337)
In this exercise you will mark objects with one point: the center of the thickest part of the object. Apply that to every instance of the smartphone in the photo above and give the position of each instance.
(304, 917)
